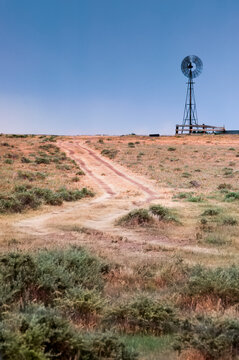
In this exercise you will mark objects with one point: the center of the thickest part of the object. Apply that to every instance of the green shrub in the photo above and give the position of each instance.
(228, 171)
(74, 195)
(232, 196)
(25, 160)
(218, 283)
(110, 153)
(11, 205)
(64, 167)
(80, 303)
(11, 156)
(162, 213)
(216, 239)
(214, 338)
(195, 198)
(8, 161)
(143, 315)
(17, 275)
(47, 275)
(224, 186)
(21, 200)
(211, 212)
(183, 195)
(131, 145)
(26, 175)
(23, 136)
(22, 188)
(171, 149)
(42, 160)
(51, 138)
(25, 198)
(80, 172)
(136, 217)
(50, 148)
(229, 220)
(40, 333)
(186, 175)
(40, 175)
(204, 221)
(62, 270)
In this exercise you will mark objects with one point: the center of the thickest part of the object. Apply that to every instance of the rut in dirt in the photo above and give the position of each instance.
(151, 195)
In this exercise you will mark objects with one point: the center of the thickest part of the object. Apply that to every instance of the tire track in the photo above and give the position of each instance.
(151, 195)
(84, 167)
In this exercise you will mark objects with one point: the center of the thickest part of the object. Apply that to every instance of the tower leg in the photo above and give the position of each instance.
(190, 112)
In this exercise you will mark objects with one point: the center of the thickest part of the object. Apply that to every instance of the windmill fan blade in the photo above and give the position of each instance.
(186, 68)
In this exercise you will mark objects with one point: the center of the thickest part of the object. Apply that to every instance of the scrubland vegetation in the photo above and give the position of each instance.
(60, 303)
(35, 172)
(174, 294)
(46, 300)
(201, 291)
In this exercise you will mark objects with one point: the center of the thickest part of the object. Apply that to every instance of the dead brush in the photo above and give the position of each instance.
(121, 278)
(191, 354)
(199, 304)
(172, 273)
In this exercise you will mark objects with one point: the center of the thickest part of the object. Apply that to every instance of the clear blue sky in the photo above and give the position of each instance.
(113, 66)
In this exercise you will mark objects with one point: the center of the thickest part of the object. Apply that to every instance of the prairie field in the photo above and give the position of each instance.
(119, 247)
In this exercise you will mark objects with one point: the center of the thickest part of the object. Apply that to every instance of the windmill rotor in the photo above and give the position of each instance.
(191, 66)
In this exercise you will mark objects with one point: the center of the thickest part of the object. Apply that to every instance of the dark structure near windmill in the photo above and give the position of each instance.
(191, 67)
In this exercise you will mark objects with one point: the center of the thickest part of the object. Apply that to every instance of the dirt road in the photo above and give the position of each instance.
(117, 192)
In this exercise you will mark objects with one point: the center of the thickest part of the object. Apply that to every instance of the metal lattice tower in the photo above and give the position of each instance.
(191, 67)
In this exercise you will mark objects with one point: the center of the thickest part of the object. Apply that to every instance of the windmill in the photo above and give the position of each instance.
(191, 67)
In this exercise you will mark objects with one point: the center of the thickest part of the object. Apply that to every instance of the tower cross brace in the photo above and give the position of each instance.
(190, 111)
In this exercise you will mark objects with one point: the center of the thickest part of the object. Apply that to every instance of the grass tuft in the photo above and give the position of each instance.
(163, 213)
(138, 217)
(110, 153)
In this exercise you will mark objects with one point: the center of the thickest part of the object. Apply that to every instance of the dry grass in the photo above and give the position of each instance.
(24, 154)
(196, 170)
(206, 159)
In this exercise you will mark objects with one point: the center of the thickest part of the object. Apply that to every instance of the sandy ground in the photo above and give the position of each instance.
(118, 191)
